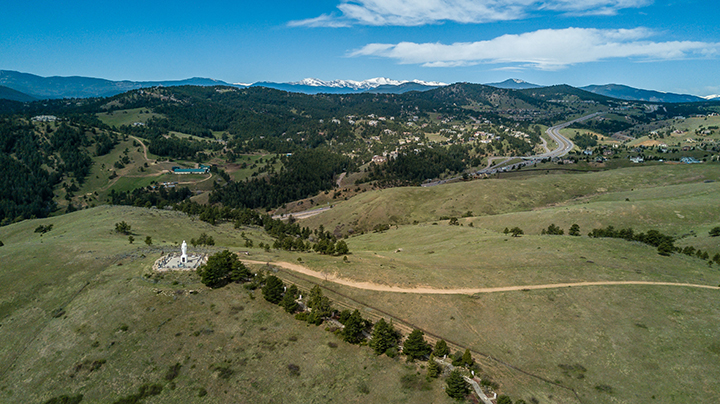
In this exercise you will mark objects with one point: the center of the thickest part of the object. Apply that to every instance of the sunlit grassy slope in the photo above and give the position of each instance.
(79, 316)
(492, 197)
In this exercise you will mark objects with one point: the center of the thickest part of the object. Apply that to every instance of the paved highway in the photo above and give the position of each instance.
(564, 146)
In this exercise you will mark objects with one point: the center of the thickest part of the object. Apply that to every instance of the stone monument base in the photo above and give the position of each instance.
(173, 262)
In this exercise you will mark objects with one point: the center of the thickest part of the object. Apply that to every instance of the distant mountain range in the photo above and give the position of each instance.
(84, 87)
(634, 94)
(514, 84)
(17, 86)
(617, 91)
(376, 85)
(7, 93)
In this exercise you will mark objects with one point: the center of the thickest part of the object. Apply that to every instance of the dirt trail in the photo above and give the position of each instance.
(459, 291)
(144, 149)
(339, 180)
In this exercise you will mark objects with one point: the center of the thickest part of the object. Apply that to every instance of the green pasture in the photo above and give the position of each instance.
(127, 116)
(237, 173)
(498, 196)
(446, 256)
(89, 318)
(611, 344)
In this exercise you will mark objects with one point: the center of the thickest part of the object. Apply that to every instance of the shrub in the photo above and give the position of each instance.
(173, 372)
(145, 391)
(503, 399)
(294, 369)
(64, 399)
(123, 228)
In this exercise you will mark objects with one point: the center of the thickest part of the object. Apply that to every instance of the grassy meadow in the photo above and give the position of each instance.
(127, 116)
(90, 318)
(499, 196)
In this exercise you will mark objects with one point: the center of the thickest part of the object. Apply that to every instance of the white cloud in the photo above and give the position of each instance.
(421, 12)
(546, 49)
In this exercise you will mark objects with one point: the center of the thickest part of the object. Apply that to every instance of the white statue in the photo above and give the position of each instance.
(183, 248)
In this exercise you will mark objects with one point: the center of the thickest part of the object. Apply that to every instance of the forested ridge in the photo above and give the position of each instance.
(34, 159)
(304, 174)
(320, 136)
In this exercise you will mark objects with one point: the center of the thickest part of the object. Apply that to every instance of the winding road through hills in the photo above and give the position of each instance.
(564, 146)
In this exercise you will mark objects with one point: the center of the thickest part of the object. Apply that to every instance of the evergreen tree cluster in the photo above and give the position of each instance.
(27, 186)
(33, 160)
(148, 197)
(664, 243)
(553, 230)
(412, 168)
(221, 269)
(70, 143)
(181, 148)
(585, 140)
(652, 237)
(304, 174)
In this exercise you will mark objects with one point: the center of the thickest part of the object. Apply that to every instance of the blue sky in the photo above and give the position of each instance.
(667, 45)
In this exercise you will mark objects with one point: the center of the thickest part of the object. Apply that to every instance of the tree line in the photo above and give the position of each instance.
(382, 337)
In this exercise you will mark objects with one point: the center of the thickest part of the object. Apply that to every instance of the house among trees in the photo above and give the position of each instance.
(44, 118)
(181, 170)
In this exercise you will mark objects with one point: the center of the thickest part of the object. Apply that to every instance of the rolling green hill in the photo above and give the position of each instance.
(90, 318)
(82, 313)
(498, 196)
(7, 93)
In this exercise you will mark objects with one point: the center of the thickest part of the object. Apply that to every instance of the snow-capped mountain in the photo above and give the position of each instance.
(376, 85)
(362, 85)
(714, 97)
(514, 84)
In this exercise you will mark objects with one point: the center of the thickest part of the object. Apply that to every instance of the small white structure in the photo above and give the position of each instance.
(183, 257)
(180, 262)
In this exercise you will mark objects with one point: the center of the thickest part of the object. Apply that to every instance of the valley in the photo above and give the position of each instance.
(574, 266)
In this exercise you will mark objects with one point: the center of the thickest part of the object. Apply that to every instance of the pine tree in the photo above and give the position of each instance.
(457, 387)
(467, 359)
(273, 289)
(415, 346)
(293, 291)
(353, 331)
(341, 248)
(665, 249)
(221, 268)
(433, 368)
(288, 302)
(503, 399)
(384, 337)
(441, 349)
(314, 297)
(574, 230)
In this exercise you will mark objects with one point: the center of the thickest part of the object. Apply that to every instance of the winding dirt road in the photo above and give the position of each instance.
(461, 291)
